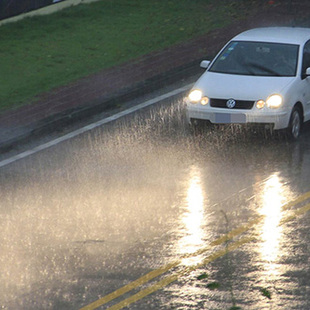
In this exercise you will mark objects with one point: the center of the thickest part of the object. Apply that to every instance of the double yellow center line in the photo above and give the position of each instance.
(176, 274)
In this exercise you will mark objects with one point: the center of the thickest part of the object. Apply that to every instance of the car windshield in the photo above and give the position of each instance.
(257, 58)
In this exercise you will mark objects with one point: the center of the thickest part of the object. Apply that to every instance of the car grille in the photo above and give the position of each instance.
(240, 104)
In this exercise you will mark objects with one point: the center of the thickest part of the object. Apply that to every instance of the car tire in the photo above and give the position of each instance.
(295, 124)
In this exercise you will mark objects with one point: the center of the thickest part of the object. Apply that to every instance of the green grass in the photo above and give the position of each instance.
(40, 53)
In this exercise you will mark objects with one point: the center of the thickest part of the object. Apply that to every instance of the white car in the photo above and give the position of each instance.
(261, 76)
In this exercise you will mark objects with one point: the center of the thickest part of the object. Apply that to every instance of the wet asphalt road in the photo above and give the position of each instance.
(146, 194)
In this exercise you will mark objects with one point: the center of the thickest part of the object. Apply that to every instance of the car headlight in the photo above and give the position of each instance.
(274, 101)
(204, 100)
(260, 104)
(195, 95)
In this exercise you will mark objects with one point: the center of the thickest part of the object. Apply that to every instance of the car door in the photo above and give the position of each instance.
(306, 81)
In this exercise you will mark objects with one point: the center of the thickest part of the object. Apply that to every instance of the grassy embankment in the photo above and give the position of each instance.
(40, 53)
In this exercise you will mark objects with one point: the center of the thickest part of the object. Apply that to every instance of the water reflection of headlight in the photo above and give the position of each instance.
(192, 220)
(272, 210)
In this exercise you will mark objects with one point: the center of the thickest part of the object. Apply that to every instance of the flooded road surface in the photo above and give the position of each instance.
(159, 216)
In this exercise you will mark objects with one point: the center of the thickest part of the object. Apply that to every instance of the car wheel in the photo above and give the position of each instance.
(295, 124)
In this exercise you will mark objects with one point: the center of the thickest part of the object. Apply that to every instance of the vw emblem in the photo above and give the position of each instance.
(230, 103)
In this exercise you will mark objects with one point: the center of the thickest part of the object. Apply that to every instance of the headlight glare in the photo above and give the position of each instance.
(204, 100)
(195, 95)
(274, 101)
(260, 104)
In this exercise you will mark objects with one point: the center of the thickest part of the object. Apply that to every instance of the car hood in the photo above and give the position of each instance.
(225, 86)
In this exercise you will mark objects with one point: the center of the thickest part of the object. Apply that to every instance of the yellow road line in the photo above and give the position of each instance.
(149, 290)
(231, 247)
(296, 201)
(168, 280)
(144, 279)
(297, 212)
(155, 273)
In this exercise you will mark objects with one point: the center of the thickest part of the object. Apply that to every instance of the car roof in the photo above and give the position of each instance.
(292, 35)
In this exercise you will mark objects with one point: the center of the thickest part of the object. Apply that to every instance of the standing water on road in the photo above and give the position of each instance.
(95, 213)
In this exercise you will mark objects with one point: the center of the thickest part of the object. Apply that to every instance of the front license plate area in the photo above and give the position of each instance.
(227, 118)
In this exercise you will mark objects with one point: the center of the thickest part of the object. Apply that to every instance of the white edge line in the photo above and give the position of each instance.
(92, 126)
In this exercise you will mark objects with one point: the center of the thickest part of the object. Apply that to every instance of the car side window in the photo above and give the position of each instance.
(306, 58)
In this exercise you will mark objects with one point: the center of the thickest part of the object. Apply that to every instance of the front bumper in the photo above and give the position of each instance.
(279, 118)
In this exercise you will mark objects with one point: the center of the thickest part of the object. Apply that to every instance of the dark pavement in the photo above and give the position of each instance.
(108, 89)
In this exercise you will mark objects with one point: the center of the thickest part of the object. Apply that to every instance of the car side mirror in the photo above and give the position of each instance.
(307, 72)
(205, 64)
